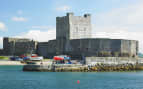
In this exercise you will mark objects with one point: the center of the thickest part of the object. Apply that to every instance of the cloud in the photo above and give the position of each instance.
(130, 16)
(2, 26)
(42, 27)
(118, 35)
(38, 35)
(20, 12)
(19, 19)
(121, 34)
(121, 23)
(1, 42)
(63, 8)
(87, 10)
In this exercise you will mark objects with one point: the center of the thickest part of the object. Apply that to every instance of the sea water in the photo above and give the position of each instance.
(12, 77)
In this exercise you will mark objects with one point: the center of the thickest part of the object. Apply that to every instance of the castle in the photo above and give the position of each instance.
(74, 38)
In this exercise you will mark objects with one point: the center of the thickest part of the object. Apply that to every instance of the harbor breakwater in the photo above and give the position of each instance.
(83, 68)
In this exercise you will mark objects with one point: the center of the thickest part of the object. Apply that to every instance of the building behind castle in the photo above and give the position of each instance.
(74, 38)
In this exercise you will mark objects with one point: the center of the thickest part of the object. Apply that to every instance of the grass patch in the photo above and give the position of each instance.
(47, 59)
(4, 58)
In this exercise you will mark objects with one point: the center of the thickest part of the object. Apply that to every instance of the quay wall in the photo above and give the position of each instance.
(112, 60)
(83, 68)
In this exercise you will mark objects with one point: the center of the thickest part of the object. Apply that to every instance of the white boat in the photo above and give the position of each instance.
(34, 57)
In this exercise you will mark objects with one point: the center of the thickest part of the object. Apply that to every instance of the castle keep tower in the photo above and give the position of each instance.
(71, 27)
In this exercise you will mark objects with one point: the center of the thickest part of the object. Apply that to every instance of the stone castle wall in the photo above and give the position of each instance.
(102, 47)
(47, 49)
(79, 48)
(18, 46)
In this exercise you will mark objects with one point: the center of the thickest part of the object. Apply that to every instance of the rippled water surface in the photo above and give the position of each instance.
(12, 77)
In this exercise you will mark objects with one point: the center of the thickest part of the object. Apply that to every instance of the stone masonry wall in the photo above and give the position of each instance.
(111, 60)
(18, 46)
(102, 47)
(71, 27)
(47, 49)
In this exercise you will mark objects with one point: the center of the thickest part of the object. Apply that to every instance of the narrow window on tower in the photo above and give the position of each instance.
(76, 29)
(84, 29)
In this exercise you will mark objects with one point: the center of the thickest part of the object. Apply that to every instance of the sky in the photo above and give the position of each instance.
(36, 19)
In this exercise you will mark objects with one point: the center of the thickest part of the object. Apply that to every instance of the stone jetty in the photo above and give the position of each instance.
(82, 68)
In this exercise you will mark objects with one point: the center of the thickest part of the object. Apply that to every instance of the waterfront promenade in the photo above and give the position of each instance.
(8, 62)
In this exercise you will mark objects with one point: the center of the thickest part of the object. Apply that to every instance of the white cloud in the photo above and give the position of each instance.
(19, 19)
(63, 8)
(20, 12)
(1, 42)
(42, 27)
(121, 35)
(87, 10)
(38, 35)
(2, 26)
(121, 23)
(129, 17)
